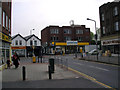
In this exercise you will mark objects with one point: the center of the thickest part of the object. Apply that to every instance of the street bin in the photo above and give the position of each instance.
(51, 63)
(34, 59)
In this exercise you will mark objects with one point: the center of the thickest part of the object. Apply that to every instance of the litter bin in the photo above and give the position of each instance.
(51, 63)
(34, 59)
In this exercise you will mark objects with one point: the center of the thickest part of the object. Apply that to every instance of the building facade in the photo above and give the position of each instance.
(5, 31)
(110, 26)
(26, 46)
(69, 38)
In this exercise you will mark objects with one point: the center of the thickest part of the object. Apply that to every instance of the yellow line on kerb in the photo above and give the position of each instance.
(89, 77)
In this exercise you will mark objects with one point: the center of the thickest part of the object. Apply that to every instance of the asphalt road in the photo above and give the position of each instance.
(106, 74)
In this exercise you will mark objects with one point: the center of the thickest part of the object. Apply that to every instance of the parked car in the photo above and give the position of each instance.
(93, 52)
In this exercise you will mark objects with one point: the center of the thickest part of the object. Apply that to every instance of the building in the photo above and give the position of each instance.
(26, 46)
(69, 38)
(110, 26)
(5, 31)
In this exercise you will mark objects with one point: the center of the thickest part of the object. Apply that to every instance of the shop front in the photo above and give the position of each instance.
(112, 45)
(5, 48)
(68, 47)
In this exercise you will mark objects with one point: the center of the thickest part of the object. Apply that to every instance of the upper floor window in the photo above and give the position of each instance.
(16, 42)
(103, 18)
(3, 19)
(103, 30)
(80, 38)
(67, 31)
(31, 42)
(54, 31)
(6, 22)
(20, 42)
(67, 38)
(0, 15)
(79, 31)
(87, 30)
(116, 26)
(9, 25)
(115, 11)
(54, 38)
(35, 43)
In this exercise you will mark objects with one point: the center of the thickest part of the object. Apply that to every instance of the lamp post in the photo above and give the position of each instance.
(95, 36)
(31, 31)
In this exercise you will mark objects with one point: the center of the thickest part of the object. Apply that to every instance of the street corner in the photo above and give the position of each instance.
(62, 72)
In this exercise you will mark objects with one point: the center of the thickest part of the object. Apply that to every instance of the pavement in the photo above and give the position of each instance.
(37, 77)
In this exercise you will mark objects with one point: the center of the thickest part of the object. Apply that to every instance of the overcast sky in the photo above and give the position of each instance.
(37, 14)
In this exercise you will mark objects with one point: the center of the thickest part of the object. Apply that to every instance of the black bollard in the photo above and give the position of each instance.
(50, 76)
(24, 73)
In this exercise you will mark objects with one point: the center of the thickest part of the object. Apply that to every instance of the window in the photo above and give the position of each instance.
(103, 17)
(87, 30)
(31, 42)
(3, 19)
(9, 25)
(54, 38)
(116, 26)
(54, 31)
(67, 31)
(0, 15)
(6, 22)
(67, 38)
(79, 31)
(35, 43)
(80, 38)
(16, 42)
(20, 42)
(115, 11)
(103, 30)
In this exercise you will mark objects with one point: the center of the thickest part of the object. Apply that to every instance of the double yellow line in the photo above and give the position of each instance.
(90, 78)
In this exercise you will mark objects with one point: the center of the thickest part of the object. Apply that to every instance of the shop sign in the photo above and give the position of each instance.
(72, 42)
(111, 42)
(5, 37)
(22, 47)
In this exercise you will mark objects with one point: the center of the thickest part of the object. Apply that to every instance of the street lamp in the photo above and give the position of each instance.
(95, 36)
(31, 31)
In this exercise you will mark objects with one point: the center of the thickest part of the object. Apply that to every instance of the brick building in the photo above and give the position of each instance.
(110, 26)
(5, 31)
(68, 38)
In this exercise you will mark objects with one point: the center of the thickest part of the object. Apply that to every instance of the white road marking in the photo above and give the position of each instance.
(99, 68)
(78, 63)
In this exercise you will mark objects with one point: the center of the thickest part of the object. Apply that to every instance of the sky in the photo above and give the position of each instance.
(38, 14)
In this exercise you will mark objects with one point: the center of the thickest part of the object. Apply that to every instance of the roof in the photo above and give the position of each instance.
(29, 36)
(17, 35)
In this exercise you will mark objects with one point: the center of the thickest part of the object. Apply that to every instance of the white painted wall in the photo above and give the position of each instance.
(18, 38)
(33, 38)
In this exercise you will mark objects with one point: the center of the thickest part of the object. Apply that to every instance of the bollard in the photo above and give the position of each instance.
(50, 76)
(24, 73)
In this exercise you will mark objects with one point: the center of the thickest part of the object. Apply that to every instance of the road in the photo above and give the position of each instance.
(106, 74)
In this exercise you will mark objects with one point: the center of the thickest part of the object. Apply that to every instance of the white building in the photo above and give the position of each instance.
(25, 46)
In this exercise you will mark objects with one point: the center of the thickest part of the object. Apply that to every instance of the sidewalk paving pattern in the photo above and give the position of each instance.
(37, 77)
